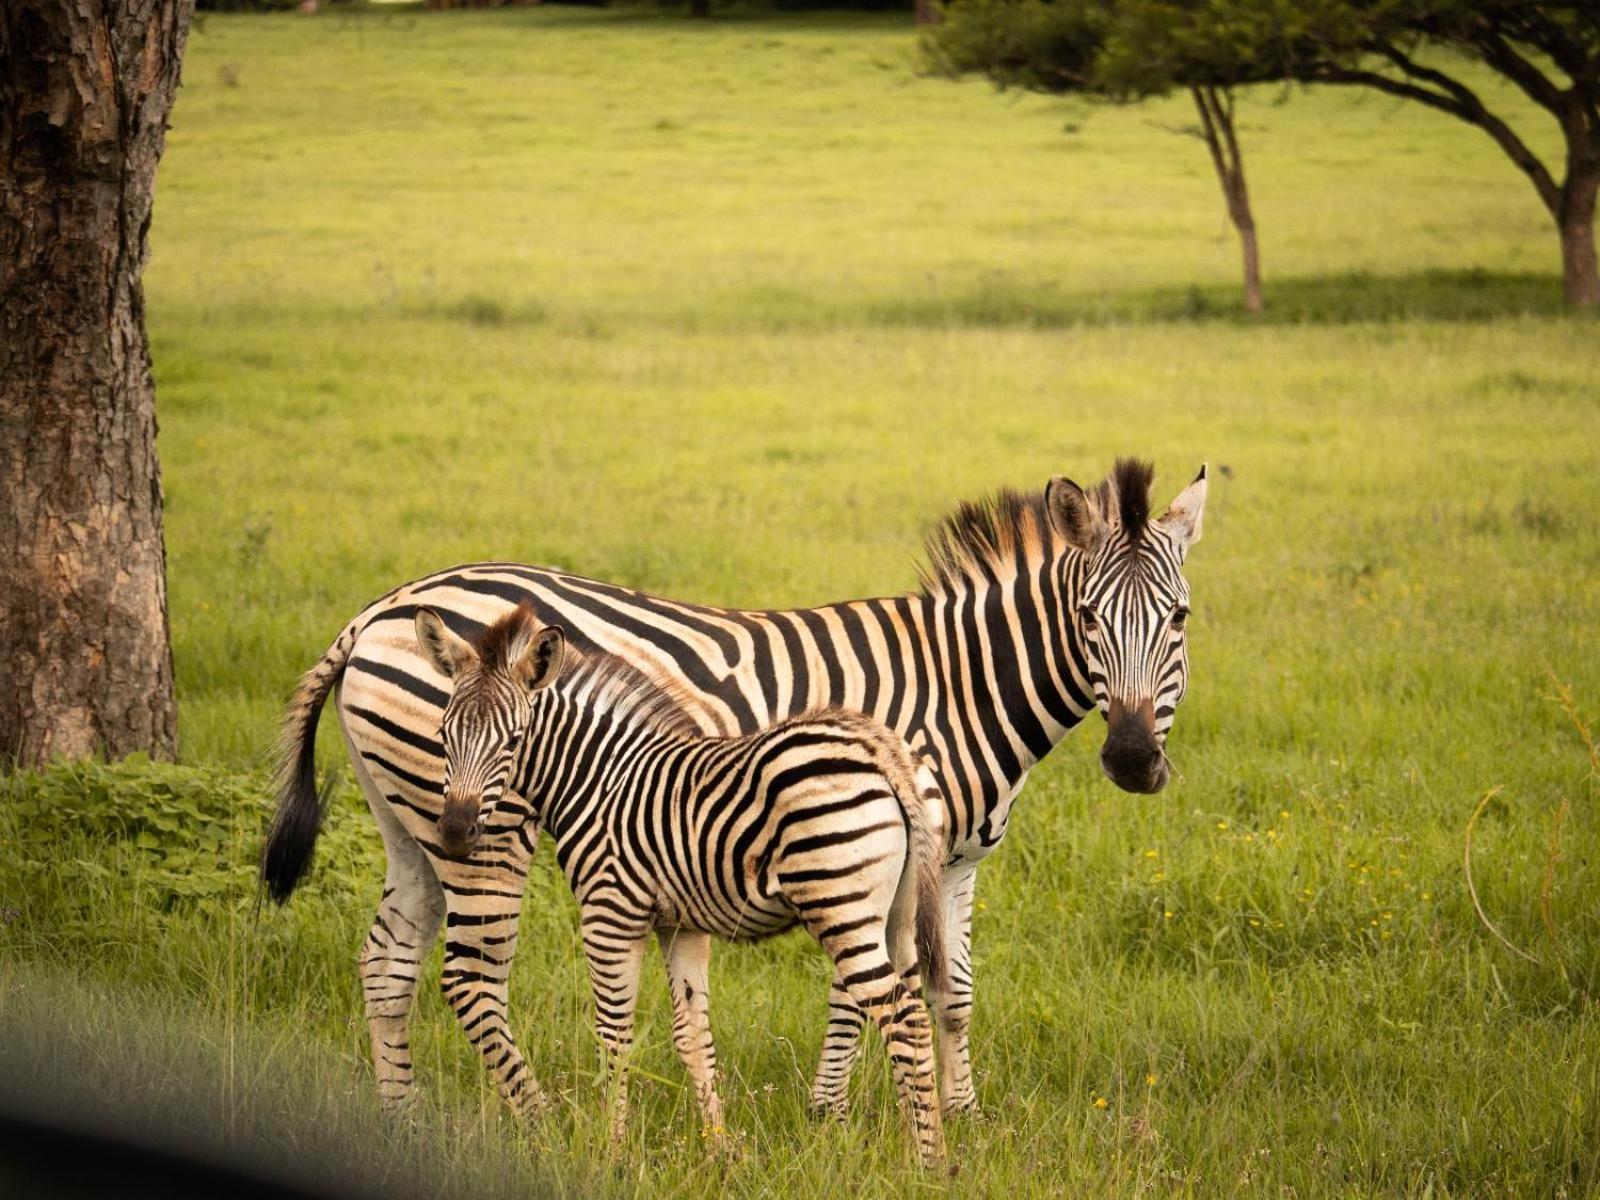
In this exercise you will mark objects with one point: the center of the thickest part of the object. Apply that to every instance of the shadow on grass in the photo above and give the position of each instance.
(1465, 295)
(646, 13)
(998, 303)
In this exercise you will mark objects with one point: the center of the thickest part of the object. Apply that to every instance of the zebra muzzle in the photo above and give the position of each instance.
(1132, 757)
(459, 828)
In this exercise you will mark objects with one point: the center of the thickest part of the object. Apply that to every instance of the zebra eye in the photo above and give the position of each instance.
(1088, 619)
(1180, 617)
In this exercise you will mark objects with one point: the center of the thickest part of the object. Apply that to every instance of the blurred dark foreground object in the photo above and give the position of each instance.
(44, 1157)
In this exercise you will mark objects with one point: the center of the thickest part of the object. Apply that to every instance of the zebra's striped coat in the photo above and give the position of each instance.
(1033, 611)
(816, 820)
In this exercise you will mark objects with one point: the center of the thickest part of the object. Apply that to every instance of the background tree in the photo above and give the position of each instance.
(1407, 48)
(1121, 51)
(85, 92)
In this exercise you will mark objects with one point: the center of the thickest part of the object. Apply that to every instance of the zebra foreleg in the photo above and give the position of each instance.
(483, 896)
(688, 958)
(615, 951)
(953, 1005)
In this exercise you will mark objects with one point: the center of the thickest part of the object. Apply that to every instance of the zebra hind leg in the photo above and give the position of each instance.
(688, 956)
(391, 958)
(862, 957)
(830, 1090)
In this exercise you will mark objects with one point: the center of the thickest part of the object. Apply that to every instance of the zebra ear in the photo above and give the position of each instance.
(440, 646)
(540, 663)
(1182, 518)
(1074, 515)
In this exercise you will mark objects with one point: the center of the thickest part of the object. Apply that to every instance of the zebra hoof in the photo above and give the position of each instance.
(721, 1145)
(822, 1111)
(400, 1118)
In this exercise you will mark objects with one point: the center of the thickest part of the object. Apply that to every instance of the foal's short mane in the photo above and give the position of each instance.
(988, 534)
(629, 693)
(494, 643)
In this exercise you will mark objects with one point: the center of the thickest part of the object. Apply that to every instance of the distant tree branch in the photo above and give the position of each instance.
(1208, 134)
(1500, 55)
(1549, 37)
(1452, 97)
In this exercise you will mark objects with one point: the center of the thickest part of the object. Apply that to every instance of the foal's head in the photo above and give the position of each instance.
(494, 677)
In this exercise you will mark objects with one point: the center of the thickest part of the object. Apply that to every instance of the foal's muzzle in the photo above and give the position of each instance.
(459, 826)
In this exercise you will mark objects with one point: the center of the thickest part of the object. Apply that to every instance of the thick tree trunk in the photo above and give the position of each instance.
(1580, 272)
(85, 91)
(699, 8)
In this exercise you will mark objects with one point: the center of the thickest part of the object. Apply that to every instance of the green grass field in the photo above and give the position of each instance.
(734, 312)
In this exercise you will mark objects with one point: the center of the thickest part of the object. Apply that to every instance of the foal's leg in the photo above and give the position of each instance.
(391, 959)
(862, 958)
(831, 1087)
(483, 895)
(688, 955)
(614, 945)
(841, 1041)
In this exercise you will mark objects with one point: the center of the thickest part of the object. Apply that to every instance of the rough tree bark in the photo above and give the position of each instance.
(85, 92)
(1216, 130)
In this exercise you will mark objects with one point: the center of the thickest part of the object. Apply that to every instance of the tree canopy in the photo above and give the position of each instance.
(1128, 49)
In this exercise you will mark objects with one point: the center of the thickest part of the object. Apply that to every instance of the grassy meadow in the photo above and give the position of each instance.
(733, 311)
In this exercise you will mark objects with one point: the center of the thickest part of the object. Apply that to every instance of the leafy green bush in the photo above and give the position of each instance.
(191, 834)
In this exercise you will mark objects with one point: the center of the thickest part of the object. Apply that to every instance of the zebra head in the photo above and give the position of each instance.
(1128, 603)
(490, 706)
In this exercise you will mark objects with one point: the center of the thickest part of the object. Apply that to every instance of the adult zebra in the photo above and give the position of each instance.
(1033, 610)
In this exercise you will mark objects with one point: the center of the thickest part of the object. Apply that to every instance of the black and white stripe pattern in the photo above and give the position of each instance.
(981, 670)
(816, 821)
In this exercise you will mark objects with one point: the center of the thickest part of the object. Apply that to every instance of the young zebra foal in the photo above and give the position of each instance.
(816, 821)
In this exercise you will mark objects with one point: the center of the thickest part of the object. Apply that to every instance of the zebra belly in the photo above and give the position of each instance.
(739, 914)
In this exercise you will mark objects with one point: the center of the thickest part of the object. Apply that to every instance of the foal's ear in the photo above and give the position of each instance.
(448, 653)
(1074, 516)
(1182, 518)
(537, 659)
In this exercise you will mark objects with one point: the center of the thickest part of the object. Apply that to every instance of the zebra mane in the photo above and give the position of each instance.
(987, 533)
(605, 683)
(1128, 489)
(992, 533)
